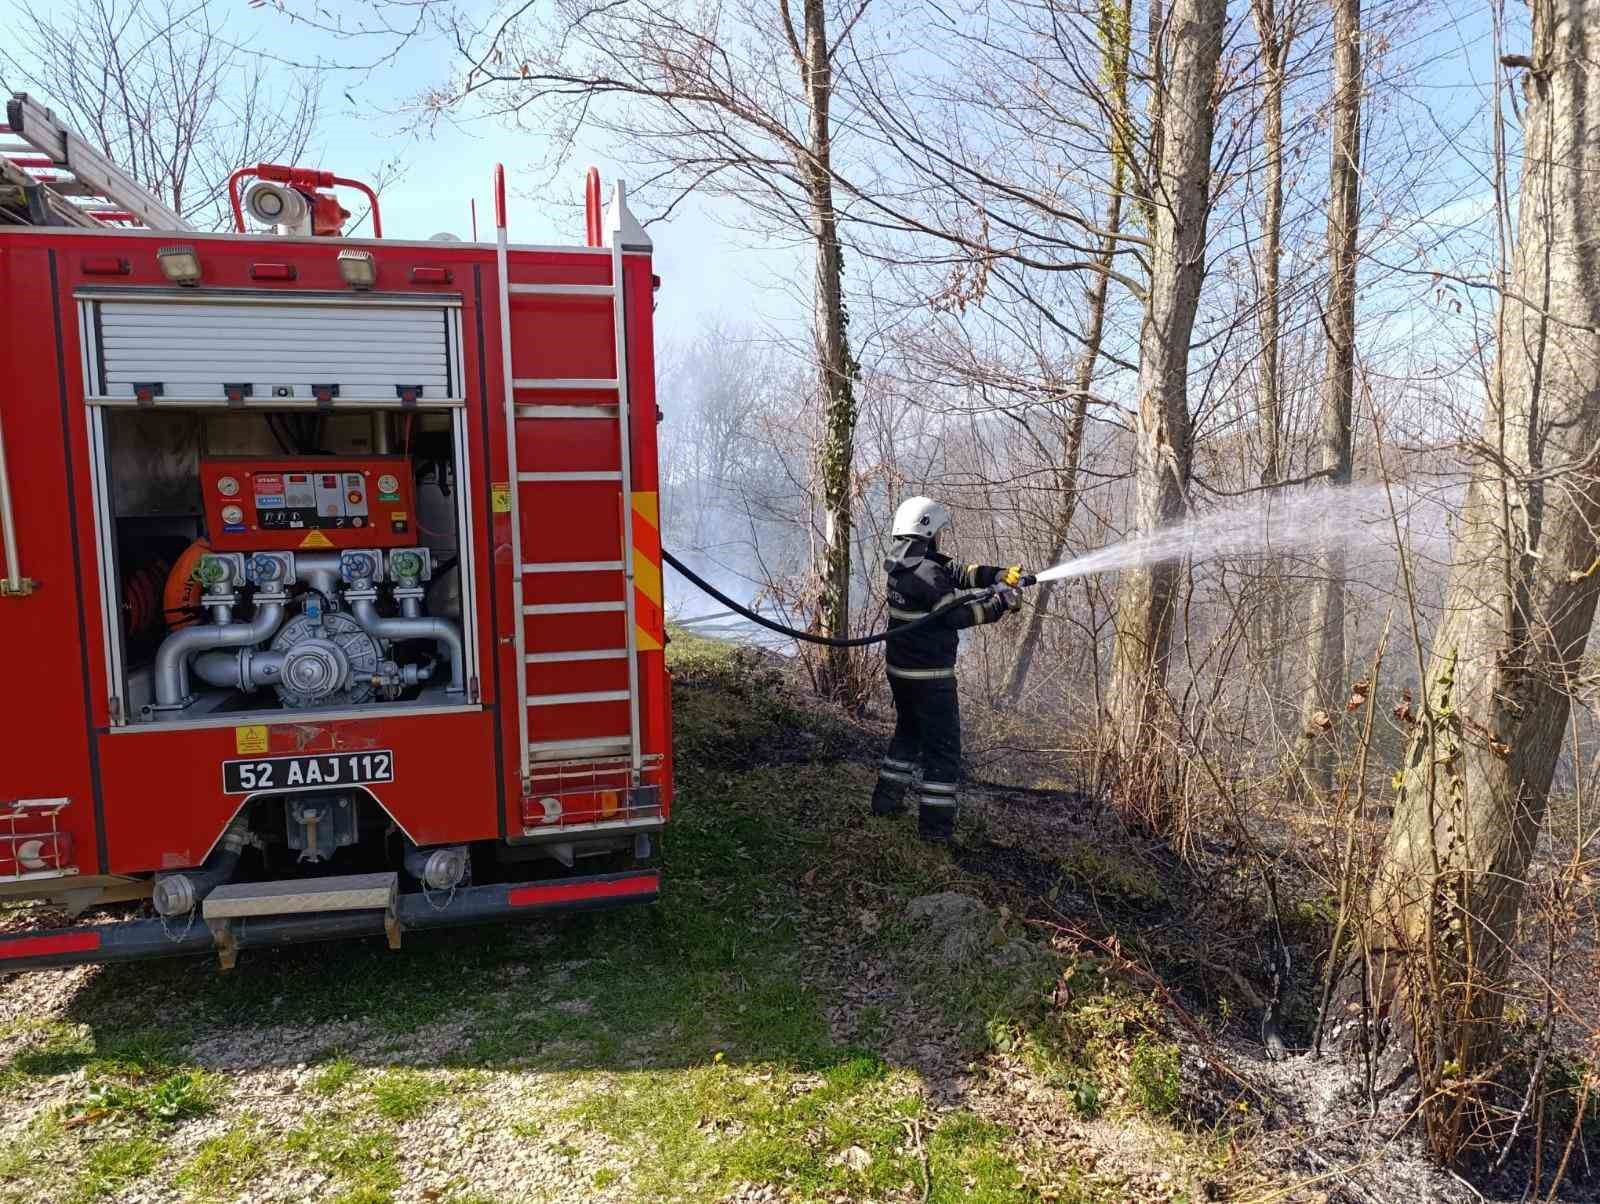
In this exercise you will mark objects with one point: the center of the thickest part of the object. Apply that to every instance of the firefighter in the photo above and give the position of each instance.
(922, 663)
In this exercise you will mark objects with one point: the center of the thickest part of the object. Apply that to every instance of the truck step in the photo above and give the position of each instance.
(354, 892)
(228, 908)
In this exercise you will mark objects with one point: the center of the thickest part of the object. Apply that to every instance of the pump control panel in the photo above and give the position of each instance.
(308, 503)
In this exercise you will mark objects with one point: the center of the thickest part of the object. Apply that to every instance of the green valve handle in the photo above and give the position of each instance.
(406, 564)
(211, 571)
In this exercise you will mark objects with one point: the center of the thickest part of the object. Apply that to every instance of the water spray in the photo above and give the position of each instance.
(1273, 522)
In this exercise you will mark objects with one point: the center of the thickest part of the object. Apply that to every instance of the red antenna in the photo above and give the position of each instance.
(499, 196)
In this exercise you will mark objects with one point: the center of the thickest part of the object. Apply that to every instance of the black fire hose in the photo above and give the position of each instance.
(859, 641)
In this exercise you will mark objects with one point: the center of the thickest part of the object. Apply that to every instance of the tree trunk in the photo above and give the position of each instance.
(1274, 43)
(1162, 446)
(836, 370)
(1323, 699)
(1115, 36)
(1519, 606)
(1071, 453)
(1276, 32)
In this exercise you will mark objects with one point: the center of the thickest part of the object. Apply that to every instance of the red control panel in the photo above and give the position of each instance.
(308, 503)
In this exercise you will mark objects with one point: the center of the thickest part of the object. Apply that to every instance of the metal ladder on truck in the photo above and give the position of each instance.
(51, 170)
(621, 229)
(45, 169)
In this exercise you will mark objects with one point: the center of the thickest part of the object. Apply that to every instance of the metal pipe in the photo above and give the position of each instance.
(380, 434)
(437, 868)
(8, 528)
(321, 572)
(244, 669)
(172, 659)
(441, 631)
(178, 894)
(619, 304)
(519, 622)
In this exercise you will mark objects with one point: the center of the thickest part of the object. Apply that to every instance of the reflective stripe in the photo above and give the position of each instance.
(938, 788)
(941, 804)
(952, 594)
(978, 617)
(908, 615)
(891, 763)
(894, 775)
(921, 674)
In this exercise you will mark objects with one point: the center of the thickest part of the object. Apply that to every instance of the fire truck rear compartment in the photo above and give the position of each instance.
(271, 561)
(281, 511)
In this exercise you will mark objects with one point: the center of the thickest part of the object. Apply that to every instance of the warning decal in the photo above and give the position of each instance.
(316, 539)
(251, 739)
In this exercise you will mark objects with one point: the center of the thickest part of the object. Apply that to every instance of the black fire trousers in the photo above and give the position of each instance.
(927, 733)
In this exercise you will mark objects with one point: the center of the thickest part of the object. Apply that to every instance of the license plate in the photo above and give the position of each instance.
(270, 774)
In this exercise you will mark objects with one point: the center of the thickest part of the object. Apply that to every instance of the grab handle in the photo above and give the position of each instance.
(13, 584)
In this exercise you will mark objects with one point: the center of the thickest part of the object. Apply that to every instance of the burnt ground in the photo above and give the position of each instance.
(1198, 931)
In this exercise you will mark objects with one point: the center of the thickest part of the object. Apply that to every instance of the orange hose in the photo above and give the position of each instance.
(181, 599)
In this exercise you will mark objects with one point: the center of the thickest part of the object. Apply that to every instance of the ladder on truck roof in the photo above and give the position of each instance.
(51, 177)
(621, 228)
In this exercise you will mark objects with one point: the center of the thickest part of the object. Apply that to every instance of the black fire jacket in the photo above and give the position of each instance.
(920, 581)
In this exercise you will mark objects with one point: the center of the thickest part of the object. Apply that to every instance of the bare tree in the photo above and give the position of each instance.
(1180, 201)
(163, 91)
(1276, 30)
(836, 369)
(732, 100)
(1116, 35)
(1520, 604)
(1327, 610)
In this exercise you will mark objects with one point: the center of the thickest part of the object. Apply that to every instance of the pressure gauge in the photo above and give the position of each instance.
(388, 484)
(228, 486)
(232, 515)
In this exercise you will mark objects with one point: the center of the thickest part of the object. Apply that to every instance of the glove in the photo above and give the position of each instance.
(1011, 577)
(1010, 599)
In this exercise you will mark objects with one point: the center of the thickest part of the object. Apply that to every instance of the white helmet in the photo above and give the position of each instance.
(920, 516)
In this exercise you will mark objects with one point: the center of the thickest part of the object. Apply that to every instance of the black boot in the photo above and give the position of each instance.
(888, 797)
(936, 813)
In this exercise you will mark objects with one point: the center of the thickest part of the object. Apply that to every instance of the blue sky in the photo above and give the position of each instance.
(713, 271)
(708, 270)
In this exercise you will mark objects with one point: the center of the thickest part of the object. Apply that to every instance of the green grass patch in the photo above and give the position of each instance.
(225, 1167)
(333, 1077)
(359, 1157)
(696, 1133)
(1118, 872)
(969, 1164)
(1153, 1082)
(111, 1166)
(47, 1047)
(403, 1095)
(31, 1163)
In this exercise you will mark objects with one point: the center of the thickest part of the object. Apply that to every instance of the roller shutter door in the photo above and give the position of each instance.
(194, 349)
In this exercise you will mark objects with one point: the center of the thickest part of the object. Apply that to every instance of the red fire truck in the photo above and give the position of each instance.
(330, 574)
